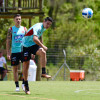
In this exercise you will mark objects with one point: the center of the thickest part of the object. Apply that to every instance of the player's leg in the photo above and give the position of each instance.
(26, 58)
(43, 60)
(3, 72)
(15, 73)
(15, 63)
(25, 75)
(23, 82)
(25, 69)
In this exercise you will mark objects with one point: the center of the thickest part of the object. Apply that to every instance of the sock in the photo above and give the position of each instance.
(26, 86)
(17, 84)
(43, 70)
(26, 83)
(23, 82)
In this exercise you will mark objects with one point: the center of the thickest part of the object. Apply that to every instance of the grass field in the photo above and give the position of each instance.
(52, 90)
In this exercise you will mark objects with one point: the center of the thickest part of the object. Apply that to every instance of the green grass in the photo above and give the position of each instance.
(52, 90)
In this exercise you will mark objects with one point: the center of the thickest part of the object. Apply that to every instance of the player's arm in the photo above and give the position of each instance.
(41, 40)
(8, 43)
(38, 42)
(25, 30)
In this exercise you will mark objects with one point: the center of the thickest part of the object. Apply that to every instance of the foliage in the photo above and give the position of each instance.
(80, 37)
(4, 25)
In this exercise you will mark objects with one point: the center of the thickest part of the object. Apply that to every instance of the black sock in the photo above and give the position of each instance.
(26, 83)
(17, 84)
(26, 86)
(23, 82)
(43, 70)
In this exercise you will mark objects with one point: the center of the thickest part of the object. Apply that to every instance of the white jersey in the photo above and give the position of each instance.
(2, 61)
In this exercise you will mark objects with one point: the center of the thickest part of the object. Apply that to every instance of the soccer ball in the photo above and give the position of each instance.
(87, 12)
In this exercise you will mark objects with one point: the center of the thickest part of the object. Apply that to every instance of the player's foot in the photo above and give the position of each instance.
(23, 87)
(17, 89)
(45, 76)
(27, 90)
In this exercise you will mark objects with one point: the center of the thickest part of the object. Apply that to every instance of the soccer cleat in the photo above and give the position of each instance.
(45, 76)
(23, 87)
(27, 90)
(17, 89)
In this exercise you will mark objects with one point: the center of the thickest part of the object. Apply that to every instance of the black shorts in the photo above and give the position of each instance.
(27, 51)
(2, 70)
(15, 58)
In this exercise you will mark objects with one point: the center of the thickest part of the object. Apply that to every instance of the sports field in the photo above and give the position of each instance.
(52, 90)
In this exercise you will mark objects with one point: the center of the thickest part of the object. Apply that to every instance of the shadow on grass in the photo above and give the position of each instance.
(21, 93)
(13, 93)
(16, 93)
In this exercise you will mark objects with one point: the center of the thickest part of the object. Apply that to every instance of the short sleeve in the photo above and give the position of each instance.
(37, 29)
(35, 32)
(4, 60)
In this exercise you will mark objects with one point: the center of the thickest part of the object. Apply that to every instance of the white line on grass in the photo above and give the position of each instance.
(29, 97)
(87, 91)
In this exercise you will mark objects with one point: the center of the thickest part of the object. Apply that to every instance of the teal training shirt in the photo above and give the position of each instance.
(37, 30)
(17, 35)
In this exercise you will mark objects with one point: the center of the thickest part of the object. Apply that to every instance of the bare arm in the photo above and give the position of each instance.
(8, 43)
(38, 42)
(25, 30)
(41, 39)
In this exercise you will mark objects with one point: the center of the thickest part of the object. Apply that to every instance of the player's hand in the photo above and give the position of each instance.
(8, 57)
(32, 56)
(45, 48)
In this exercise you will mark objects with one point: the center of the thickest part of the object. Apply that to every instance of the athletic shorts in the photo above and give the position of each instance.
(1, 70)
(27, 51)
(15, 58)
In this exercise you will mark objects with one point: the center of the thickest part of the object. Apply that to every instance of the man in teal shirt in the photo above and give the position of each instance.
(32, 45)
(15, 34)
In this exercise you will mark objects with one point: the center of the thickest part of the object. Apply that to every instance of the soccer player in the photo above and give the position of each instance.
(3, 70)
(15, 33)
(32, 45)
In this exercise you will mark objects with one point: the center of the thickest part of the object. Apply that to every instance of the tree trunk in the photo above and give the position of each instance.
(38, 75)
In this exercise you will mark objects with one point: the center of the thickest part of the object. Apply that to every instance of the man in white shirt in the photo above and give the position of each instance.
(3, 70)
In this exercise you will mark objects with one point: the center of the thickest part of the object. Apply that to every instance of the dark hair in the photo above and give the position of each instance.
(17, 15)
(48, 19)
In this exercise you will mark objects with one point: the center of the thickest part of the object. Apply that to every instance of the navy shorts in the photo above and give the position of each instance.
(15, 58)
(27, 51)
(2, 70)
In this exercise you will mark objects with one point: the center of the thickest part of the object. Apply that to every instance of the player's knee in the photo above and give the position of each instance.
(42, 51)
(15, 68)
